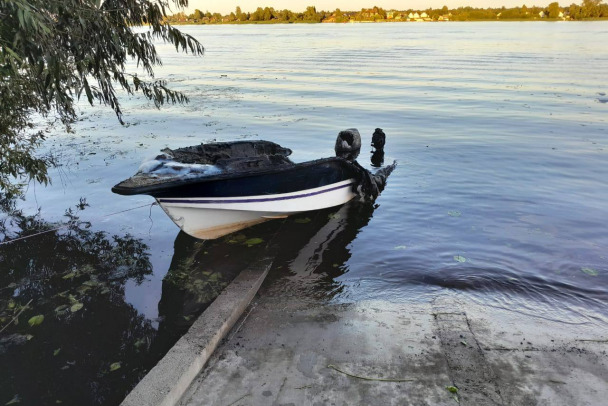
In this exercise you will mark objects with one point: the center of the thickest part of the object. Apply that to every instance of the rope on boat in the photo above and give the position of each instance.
(67, 225)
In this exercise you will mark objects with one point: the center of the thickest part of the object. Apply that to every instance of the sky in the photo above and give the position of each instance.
(226, 6)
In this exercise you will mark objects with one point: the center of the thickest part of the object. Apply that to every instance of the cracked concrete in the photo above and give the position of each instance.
(280, 355)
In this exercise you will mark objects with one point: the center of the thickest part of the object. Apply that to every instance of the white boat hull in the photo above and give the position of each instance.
(213, 217)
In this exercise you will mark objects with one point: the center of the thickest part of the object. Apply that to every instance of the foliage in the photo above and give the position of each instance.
(311, 15)
(588, 9)
(52, 52)
(553, 10)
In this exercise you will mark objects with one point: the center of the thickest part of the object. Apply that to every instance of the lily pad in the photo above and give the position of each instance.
(452, 389)
(459, 258)
(590, 271)
(454, 213)
(76, 306)
(114, 366)
(83, 289)
(253, 241)
(303, 221)
(237, 239)
(36, 320)
(61, 309)
(91, 283)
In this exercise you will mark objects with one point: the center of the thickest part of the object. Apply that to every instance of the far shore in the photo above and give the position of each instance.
(388, 22)
(588, 10)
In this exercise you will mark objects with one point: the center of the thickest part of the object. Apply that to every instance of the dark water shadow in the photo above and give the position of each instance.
(68, 336)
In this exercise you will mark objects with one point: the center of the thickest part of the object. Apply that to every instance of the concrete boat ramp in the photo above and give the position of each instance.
(285, 349)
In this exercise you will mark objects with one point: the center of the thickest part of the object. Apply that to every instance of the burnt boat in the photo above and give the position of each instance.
(211, 190)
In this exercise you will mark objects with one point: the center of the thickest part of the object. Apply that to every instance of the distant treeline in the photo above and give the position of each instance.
(589, 9)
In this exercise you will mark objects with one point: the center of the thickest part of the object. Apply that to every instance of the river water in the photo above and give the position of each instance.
(501, 191)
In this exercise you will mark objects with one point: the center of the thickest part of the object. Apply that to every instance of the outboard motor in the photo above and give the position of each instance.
(348, 144)
(368, 185)
(378, 139)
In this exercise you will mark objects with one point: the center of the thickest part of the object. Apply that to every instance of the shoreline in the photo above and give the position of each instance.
(535, 20)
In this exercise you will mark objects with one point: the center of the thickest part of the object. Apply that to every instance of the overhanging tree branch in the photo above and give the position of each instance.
(54, 51)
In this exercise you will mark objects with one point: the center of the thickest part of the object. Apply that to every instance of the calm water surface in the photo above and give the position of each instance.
(501, 193)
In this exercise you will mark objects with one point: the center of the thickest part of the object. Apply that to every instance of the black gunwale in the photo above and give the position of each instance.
(164, 187)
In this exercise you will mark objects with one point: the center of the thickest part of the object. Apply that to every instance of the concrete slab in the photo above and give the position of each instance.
(283, 358)
(166, 382)
(290, 351)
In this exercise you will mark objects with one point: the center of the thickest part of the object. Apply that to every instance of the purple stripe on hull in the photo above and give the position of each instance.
(259, 200)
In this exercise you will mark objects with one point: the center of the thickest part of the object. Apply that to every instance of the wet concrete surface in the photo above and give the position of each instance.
(298, 351)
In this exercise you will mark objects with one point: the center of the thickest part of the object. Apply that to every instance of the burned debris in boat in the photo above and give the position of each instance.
(203, 161)
(214, 189)
(348, 146)
(233, 156)
(369, 185)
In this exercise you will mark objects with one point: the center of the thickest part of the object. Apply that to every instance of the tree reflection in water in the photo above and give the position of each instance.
(68, 335)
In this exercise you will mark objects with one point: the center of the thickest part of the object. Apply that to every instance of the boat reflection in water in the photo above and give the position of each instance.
(308, 250)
